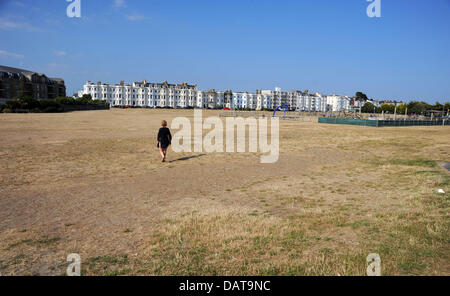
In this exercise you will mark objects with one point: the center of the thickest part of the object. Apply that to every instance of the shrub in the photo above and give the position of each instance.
(25, 103)
(50, 106)
(98, 103)
(84, 100)
(66, 101)
(45, 104)
(13, 104)
(28, 103)
(51, 109)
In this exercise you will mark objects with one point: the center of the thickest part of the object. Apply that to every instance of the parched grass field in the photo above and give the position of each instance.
(92, 183)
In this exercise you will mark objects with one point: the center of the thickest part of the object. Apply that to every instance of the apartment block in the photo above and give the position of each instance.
(16, 83)
(153, 95)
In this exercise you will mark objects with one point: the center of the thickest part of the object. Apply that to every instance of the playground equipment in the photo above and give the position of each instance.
(295, 116)
(381, 123)
(286, 108)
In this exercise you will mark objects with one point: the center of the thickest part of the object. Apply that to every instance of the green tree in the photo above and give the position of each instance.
(447, 107)
(66, 101)
(401, 109)
(418, 107)
(360, 96)
(84, 100)
(388, 108)
(437, 107)
(368, 108)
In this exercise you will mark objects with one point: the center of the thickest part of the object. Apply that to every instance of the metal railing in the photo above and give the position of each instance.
(384, 123)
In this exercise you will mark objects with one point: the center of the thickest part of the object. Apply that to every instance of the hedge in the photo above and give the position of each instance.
(52, 106)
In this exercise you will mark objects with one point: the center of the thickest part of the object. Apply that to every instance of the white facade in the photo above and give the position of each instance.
(237, 102)
(143, 94)
(263, 101)
(338, 103)
(201, 99)
(210, 99)
(152, 95)
(277, 96)
(320, 103)
(245, 100)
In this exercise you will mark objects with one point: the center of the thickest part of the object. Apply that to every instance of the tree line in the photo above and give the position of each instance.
(414, 107)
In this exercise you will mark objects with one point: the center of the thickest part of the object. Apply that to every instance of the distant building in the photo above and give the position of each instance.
(337, 103)
(144, 94)
(17, 83)
(277, 97)
(263, 101)
(151, 95)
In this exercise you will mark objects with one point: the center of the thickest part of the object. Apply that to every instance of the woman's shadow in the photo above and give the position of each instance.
(187, 158)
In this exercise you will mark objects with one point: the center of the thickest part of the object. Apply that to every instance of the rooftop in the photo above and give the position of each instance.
(26, 73)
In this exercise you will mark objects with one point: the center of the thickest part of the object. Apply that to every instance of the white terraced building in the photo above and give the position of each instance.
(263, 101)
(209, 99)
(152, 95)
(244, 100)
(338, 103)
(143, 94)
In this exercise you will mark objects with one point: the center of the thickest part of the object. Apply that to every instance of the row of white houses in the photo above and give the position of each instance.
(153, 95)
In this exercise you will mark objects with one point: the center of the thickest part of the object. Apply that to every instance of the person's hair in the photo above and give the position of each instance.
(164, 123)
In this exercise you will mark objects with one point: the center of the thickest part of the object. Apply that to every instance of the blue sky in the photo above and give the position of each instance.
(322, 45)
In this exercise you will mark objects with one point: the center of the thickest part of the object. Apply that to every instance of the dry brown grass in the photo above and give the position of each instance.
(92, 183)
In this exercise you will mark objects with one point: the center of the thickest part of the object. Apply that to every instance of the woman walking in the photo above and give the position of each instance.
(164, 140)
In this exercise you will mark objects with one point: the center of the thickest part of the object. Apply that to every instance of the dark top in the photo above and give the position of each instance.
(164, 137)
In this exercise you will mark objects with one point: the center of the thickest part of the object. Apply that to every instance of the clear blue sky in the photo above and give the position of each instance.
(328, 46)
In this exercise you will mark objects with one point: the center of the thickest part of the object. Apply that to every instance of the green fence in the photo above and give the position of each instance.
(380, 123)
